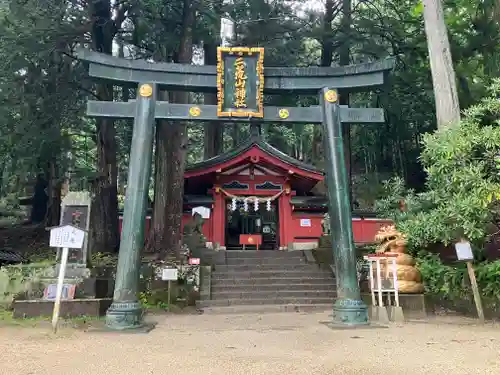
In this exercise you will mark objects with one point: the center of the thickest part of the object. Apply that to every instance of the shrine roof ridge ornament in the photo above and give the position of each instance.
(204, 77)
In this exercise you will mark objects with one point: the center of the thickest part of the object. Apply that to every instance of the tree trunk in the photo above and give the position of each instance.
(327, 37)
(176, 145)
(40, 200)
(213, 129)
(104, 218)
(443, 74)
(345, 59)
(235, 134)
(54, 194)
(104, 227)
(157, 232)
(318, 155)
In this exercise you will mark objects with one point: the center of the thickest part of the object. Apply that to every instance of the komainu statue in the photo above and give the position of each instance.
(393, 242)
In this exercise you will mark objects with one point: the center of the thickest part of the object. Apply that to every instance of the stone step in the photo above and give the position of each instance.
(262, 254)
(266, 260)
(268, 301)
(272, 294)
(267, 267)
(246, 309)
(221, 287)
(241, 275)
(271, 281)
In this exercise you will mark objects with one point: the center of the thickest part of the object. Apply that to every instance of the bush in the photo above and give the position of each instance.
(461, 200)
(18, 280)
(450, 285)
(463, 182)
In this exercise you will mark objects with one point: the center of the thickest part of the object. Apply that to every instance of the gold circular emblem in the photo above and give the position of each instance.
(195, 111)
(331, 96)
(146, 90)
(283, 113)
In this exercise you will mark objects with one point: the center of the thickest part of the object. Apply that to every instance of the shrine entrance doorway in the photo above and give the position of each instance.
(247, 227)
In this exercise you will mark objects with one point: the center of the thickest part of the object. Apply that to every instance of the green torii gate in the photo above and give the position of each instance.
(240, 80)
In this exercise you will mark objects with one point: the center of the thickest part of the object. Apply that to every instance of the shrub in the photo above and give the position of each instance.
(463, 182)
(461, 200)
(22, 279)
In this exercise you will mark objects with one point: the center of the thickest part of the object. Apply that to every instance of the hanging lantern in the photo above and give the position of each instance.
(256, 204)
(233, 204)
(245, 204)
(268, 205)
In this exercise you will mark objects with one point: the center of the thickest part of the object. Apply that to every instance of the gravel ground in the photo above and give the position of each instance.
(255, 344)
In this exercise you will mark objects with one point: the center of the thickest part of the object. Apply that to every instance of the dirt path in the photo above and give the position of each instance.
(254, 345)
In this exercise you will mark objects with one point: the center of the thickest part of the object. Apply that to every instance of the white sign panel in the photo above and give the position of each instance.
(169, 274)
(194, 261)
(204, 212)
(464, 251)
(67, 236)
(305, 222)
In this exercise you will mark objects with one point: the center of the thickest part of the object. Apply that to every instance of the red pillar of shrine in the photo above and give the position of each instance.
(285, 218)
(218, 222)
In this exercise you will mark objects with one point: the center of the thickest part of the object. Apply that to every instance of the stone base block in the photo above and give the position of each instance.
(378, 314)
(396, 314)
(413, 305)
(69, 309)
(86, 288)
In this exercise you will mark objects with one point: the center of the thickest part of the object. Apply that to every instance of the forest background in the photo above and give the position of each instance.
(44, 132)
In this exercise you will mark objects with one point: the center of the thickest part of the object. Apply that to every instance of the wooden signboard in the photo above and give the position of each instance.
(240, 82)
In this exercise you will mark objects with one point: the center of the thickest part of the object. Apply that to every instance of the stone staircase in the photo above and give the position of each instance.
(261, 281)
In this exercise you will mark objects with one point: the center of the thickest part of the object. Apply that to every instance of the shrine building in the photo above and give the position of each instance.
(257, 195)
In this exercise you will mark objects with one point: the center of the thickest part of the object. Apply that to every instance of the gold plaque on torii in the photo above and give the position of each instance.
(240, 82)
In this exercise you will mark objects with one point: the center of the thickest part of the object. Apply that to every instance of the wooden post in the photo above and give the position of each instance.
(65, 237)
(475, 291)
(465, 254)
(60, 282)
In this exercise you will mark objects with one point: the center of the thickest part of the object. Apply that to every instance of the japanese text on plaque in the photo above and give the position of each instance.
(240, 83)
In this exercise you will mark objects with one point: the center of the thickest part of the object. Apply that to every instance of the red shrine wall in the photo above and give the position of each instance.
(307, 228)
(303, 228)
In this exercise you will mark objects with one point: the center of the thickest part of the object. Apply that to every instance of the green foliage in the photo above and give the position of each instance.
(43, 91)
(46, 255)
(10, 211)
(451, 286)
(104, 260)
(154, 292)
(462, 182)
(442, 280)
(22, 279)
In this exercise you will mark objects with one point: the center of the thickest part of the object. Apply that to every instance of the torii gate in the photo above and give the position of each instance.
(241, 81)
